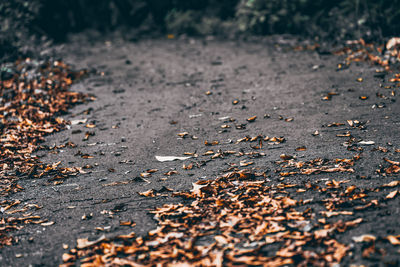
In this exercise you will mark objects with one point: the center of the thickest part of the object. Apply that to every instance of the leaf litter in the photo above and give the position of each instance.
(33, 96)
(242, 218)
(238, 218)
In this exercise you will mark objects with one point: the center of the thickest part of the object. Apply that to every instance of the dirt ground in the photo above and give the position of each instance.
(150, 90)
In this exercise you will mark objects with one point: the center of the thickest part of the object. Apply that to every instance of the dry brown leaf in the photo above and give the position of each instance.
(84, 242)
(148, 193)
(252, 119)
(391, 194)
(394, 240)
(364, 238)
(392, 184)
(392, 43)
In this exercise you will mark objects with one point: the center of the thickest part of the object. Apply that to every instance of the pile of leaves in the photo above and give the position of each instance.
(241, 218)
(386, 56)
(33, 94)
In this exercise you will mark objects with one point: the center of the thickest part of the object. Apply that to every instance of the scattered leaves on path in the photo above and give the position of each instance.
(33, 95)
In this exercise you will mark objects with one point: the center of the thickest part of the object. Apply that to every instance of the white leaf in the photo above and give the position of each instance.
(224, 118)
(171, 158)
(364, 238)
(47, 223)
(75, 122)
(366, 142)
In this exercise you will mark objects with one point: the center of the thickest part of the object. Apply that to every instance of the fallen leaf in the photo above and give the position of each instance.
(171, 173)
(90, 125)
(84, 242)
(75, 122)
(301, 148)
(252, 119)
(245, 163)
(391, 194)
(393, 42)
(47, 223)
(126, 223)
(148, 193)
(212, 143)
(364, 238)
(171, 158)
(394, 240)
(67, 257)
(285, 157)
(366, 142)
(392, 162)
(392, 184)
(183, 135)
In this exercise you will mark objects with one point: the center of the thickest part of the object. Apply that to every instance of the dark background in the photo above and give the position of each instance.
(25, 23)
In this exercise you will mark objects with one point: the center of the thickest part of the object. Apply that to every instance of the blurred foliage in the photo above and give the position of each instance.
(63, 16)
(340, 19)
(271, 16)
(15, 19)
(204, 18)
